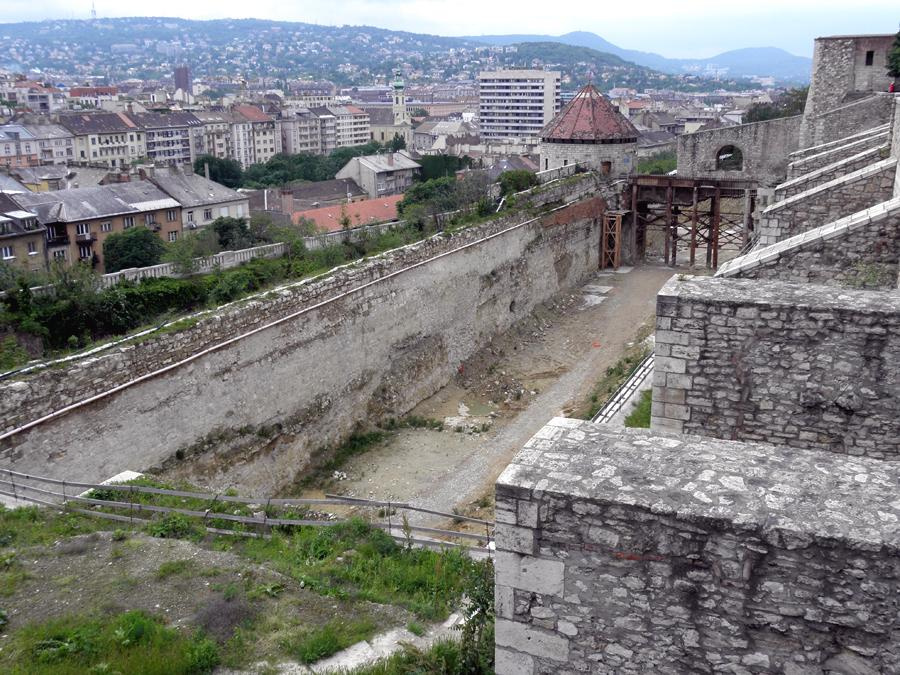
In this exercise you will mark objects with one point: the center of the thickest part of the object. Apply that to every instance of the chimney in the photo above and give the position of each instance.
(206, 170)
(188, 169)
(287, 201)
(390, 159)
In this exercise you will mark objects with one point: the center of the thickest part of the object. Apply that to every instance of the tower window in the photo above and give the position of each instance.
(870, 58)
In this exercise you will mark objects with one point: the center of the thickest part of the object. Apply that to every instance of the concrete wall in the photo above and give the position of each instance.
(827, 202)
(805, 366)
(283, 376)
(630, 552)
(765, 147)
(839, 73)
(859, 251)
(830, 172)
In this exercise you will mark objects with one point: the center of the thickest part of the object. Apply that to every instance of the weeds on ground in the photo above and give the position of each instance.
(133, 642)
(319, 643)
(356, 561)
(640, 416)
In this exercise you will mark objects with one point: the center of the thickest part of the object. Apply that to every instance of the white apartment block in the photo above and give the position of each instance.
(517, 103)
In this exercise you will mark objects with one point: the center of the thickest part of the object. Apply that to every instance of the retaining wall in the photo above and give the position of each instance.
(805, 366)
(827, 202)
(369, 341)
(624, 551)
(835, 153)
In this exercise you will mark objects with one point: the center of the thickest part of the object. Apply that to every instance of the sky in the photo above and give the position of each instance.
(687, 29)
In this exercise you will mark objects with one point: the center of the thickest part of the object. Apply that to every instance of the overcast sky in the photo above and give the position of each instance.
(691, 28)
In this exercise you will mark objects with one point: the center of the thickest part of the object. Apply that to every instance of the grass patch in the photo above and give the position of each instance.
(416, 628)
(640, 416)
(172, 568)
(443, 657)
(11, 574)
(355, 561)
(322, 642)
(358, 443)
(617, 374)
(133, 642)
(34, 526)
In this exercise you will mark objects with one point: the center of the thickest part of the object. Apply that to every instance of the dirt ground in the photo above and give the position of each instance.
(504, 395)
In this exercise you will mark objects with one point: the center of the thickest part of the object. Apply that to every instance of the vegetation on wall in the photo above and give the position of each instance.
(791, 102)
(658, 164)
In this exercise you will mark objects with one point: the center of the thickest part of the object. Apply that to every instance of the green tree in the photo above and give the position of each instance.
(397, 143)
(226, 172)
(516, 181)
(791, 102)
(185, 253)
(233, 233)
(135, 247)
(894, 58)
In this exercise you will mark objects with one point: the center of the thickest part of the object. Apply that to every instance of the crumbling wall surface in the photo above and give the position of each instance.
(831, 154)
(625, 551)
(859, 251)
(252, 411)
(851, 118)
(827, 202)
(830, 172)
(806, 366)
(764, 145)
(49, 390)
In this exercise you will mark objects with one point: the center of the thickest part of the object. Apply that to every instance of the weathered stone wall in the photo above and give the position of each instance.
(848, 119)
(830, 172)
(840, 72)
(623, 551)
(859, 251)
(619, 155)
(371, 342)
(816, 149)
(764, 145)
(837, 152)
(827, 202)
(800, 365)
(49, 390)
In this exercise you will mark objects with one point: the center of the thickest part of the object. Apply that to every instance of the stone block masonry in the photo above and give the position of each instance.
(836, 153)
(831, 172)
(805, 366)
(847, 119)
(635, 552)
(764, 146)
(858, 251)
(254, 391)
(827, 202)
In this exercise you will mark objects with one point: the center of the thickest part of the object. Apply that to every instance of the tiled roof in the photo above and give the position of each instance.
(76, 92)
(97, 123)
(192, 190)
(365, 212)
(170, 120)
(588, 117)
(251, 113)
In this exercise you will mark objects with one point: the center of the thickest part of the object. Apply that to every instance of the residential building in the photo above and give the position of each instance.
(171, 137)
(516, 103)
(256, 137)
(592, 132)
(92, 97)
(34, 96)
(215, 137)
(379, 175)
(327, 130)
(365, 212)
(18, 146)
(105, 138)
(351, 126)
(301, 132)
(201, 200)
(78, 221)
(22, 237)
(56, 144)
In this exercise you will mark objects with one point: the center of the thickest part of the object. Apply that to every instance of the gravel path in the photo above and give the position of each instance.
(443, 470)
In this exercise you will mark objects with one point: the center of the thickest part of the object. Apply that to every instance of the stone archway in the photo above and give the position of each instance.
(729, 158)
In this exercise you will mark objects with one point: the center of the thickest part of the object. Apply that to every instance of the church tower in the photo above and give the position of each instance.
(401, 116)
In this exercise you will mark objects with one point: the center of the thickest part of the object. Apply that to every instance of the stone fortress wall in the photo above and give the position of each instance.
(250, 393)
(754, 528)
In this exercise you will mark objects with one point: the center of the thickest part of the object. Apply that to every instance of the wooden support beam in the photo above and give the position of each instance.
(694, 227)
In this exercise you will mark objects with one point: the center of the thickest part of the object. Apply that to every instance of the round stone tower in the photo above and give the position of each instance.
(590, 131)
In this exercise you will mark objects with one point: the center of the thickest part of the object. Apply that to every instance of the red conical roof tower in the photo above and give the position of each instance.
(589, 118)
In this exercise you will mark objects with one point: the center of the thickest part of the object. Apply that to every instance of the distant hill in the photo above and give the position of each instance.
(763, 61)
(273, 52)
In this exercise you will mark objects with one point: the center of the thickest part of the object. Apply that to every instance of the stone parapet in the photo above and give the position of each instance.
(830, 172)
(831, 145)
(835, 153)
(859, 251)
(637, 552)
(827, 202)
(805, 366)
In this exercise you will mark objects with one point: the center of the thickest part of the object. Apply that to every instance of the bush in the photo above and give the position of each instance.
(517, 181)
(135, 247)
